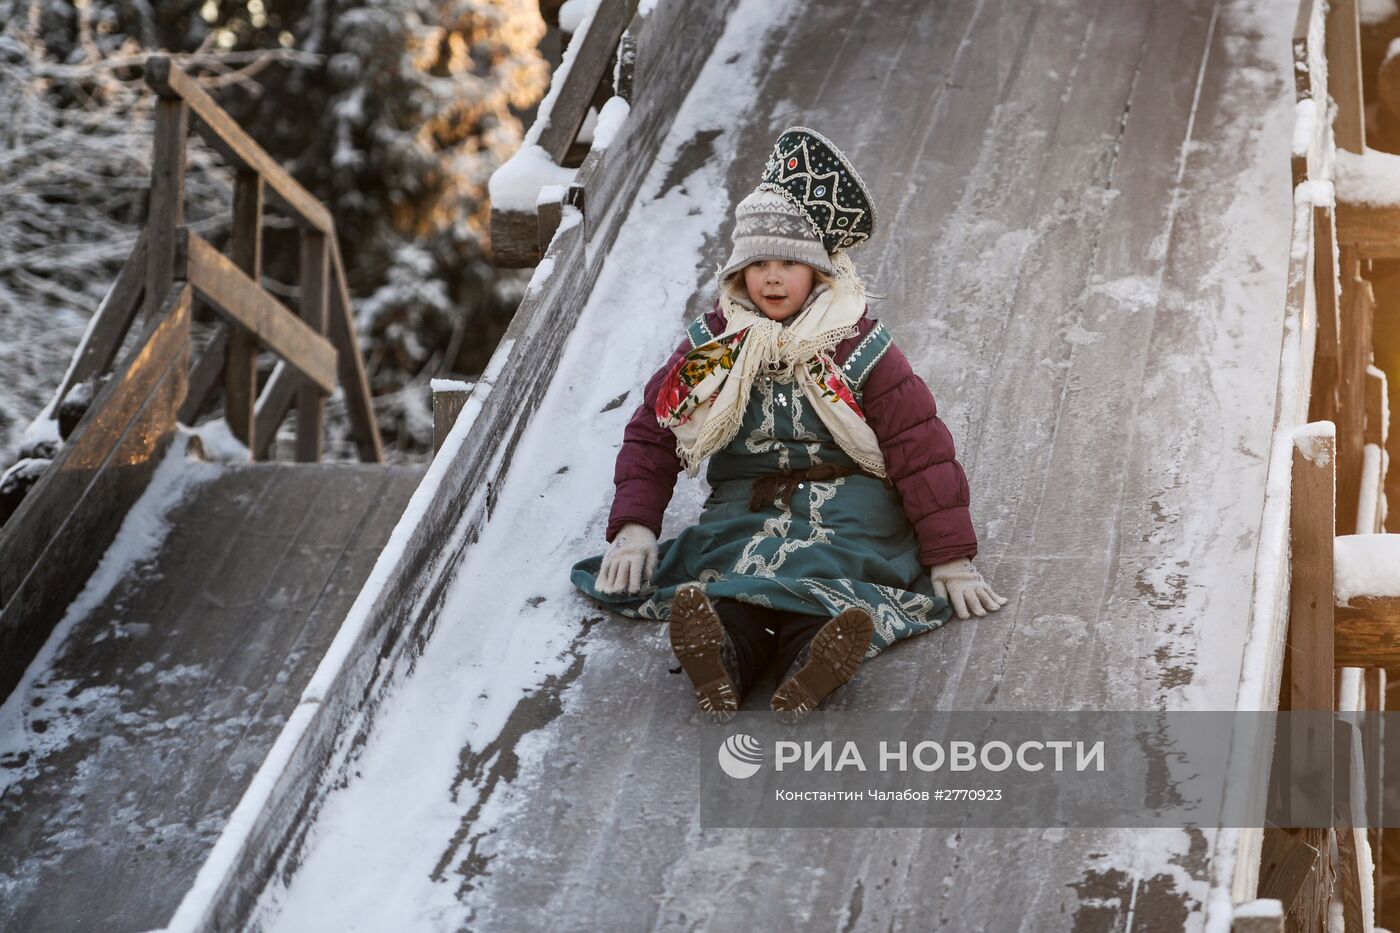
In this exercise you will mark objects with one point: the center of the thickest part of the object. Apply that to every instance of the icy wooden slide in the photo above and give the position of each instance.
(1082, 246)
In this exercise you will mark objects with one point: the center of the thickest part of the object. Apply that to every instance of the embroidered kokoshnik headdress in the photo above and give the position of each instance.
(810, 206)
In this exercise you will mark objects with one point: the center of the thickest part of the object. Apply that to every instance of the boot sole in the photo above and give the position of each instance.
(838, 649)
(697, 635)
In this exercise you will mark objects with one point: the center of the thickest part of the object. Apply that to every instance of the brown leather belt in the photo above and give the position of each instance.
(784, 482)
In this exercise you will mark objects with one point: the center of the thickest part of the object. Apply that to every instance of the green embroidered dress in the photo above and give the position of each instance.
(841, 543)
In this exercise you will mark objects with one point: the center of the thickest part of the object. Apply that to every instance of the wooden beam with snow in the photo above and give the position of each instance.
(449, 397)
(1368, 203)
(1374, 230)
(1368, 632)
(589, 67)
(1264, 915)
(516, 231)
(1366, 592)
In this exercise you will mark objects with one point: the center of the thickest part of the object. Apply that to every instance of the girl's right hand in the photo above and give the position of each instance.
(630, 560)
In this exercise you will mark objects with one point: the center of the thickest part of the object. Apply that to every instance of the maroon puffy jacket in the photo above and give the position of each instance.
(898, 406)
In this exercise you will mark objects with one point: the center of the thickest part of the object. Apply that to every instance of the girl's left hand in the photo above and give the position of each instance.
(962, 585)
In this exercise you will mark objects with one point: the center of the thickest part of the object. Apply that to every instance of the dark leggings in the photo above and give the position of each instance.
(761, 635)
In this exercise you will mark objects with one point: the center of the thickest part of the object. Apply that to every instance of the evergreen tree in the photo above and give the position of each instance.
(393, 112)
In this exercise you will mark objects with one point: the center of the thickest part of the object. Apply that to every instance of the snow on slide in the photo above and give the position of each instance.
(1095, 290)
(375, 861)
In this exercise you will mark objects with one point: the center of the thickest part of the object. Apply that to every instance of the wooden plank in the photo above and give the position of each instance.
(515, 239)
(1373, 230)
(1344, 74)
(230, 290)
(60, 531)
(359, 403)
(590, 67)
(1296, 871)
(274, 402)
(166, 211)
(1368, 632)
(204, 379)
(1312, 530)
(109, 325)
(241, 356)
(227, 137)
(1327, 367)
(311, 398)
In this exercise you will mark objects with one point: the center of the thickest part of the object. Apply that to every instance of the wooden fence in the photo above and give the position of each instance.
(1331, 475)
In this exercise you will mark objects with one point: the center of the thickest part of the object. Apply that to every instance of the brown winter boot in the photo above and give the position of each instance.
(824, 663)
(706, 652)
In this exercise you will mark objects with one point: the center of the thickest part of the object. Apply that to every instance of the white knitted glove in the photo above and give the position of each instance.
(629, 561)
(959, 582)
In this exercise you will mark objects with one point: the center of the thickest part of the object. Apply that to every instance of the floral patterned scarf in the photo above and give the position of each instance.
(704, 406)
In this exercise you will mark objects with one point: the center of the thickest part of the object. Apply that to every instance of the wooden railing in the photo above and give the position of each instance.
(599, 64)
(316, 349)
(54, 540)
(1328, 656)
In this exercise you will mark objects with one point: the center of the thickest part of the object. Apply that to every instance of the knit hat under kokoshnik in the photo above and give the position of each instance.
(809, 204)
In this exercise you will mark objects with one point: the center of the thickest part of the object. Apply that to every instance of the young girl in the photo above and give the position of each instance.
(838, 517)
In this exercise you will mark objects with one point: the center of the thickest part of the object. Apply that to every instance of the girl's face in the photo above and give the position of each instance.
(778, 287)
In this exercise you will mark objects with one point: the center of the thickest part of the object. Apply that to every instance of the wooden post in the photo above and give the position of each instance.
(1311, 629)
(1344, 73)
(449, 396)
(1312, 530)
(359, 404)
(166, 211)
(626, 66)
(550, 208)
(241, 353)
(1355, 357)
(311, 401)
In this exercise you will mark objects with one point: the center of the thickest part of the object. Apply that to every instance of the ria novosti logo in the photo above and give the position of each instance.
(740, 756)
